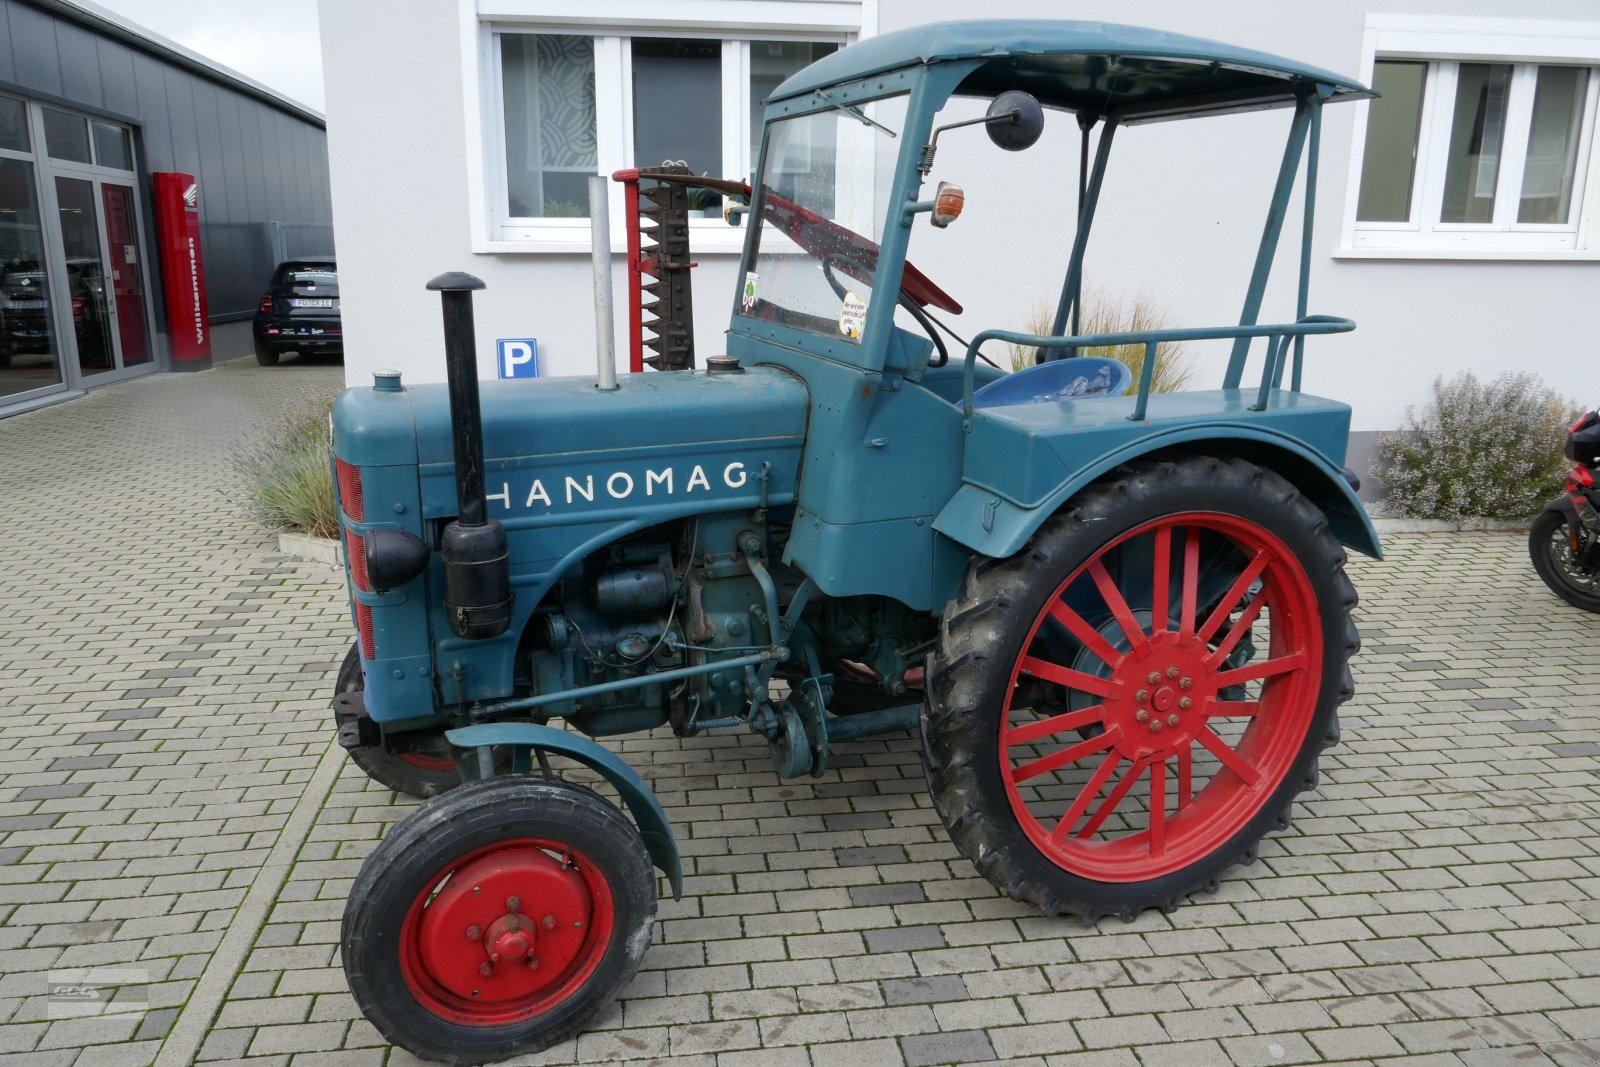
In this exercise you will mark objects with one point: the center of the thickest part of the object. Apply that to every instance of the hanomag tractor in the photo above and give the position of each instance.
(1120, 620)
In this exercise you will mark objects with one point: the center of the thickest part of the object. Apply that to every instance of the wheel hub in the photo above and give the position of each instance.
(477, 940)
(1162, 697)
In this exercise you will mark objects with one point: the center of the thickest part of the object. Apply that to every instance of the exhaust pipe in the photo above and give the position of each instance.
(605, 333)
(477, 574)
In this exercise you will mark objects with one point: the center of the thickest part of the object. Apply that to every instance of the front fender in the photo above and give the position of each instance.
(641, 802)
(1564, 507)
(988, 523)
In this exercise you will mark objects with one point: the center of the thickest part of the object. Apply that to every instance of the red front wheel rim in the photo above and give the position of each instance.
(1168, 726)
(506, 932)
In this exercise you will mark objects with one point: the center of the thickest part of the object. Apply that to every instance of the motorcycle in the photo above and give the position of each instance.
(1565, 539)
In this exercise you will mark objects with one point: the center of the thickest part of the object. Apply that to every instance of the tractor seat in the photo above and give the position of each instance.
(1076, 378)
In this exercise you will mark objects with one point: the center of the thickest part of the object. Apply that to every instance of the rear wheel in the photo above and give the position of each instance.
(266, 358)
(1552, 547)
(1122, 710)
(498, 919)
(417, 764)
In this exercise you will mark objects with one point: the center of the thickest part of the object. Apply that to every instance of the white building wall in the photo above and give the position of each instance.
(1178, 225)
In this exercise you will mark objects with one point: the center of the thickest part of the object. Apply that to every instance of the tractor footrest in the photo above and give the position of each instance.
(355, 727)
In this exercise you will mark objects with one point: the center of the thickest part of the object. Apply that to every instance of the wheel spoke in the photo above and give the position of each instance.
(1185, 776)
(1266, 668)
(1227, 756)
(1054, 672)
(1115, 797)
(1163, 580)
(1086, 634)
(1191, 580)
(1235, 593)
(1070, 720)
(1237, 631)
(1158, 807)
(1119, 607)
(1071, 754)
(1086, 795)
(1232, 708)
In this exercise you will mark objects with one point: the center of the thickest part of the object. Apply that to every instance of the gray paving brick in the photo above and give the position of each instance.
(965, 1046)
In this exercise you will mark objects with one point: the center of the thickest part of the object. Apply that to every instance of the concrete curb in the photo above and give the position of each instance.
(1468, 525)
(317, 549)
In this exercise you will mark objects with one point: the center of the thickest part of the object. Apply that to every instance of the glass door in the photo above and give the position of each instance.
(86, 275)
(127, 282)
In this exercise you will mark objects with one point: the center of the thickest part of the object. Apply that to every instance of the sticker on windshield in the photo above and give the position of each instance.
(852, 316)
(747, 295)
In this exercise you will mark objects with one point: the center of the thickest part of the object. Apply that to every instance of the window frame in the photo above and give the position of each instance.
(613, 24)
(1444, 44)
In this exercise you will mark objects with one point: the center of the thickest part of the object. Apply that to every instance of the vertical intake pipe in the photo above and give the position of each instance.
(477, 575)
(605, 337)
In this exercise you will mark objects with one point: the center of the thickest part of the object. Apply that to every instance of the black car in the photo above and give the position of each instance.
(299, 312)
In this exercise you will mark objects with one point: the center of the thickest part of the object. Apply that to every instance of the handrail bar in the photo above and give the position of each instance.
(1308, 324)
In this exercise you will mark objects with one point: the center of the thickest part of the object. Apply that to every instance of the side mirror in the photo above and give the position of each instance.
(1015, 120)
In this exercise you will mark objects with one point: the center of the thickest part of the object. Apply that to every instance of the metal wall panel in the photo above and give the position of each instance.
(257, 164)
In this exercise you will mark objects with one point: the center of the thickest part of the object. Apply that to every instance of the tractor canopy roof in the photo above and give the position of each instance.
(1127, 73)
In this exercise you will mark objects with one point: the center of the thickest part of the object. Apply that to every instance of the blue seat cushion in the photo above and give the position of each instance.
(1077, 378)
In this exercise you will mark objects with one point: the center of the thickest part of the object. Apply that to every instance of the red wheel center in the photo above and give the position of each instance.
(1162, 692)
(471, 953)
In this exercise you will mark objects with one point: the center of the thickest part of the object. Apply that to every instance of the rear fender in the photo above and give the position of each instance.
(641, 802)
(994, 526)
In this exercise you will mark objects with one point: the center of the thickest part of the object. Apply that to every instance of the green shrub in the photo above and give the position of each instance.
(1107, 314)
(286, 479)
(1477, 449)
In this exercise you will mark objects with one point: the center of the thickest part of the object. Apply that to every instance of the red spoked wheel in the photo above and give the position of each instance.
(498, 918)
(1124, 708)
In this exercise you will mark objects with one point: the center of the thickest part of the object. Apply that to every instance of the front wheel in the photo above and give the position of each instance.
(1123, 709)
(498, 919)
(1554, 548)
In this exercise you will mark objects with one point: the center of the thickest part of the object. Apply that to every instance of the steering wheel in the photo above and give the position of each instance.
(861, 272)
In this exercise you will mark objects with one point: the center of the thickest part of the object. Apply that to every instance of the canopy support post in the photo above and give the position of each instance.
(1090, 198)
(1269, 238)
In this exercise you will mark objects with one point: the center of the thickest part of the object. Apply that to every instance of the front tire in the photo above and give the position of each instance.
(498, 919)
(1122, 710)
(1550, 547)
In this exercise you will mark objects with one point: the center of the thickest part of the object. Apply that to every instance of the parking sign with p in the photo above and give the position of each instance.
(519, 357)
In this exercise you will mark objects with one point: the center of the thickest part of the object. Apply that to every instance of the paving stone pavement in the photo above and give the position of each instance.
(171, 803)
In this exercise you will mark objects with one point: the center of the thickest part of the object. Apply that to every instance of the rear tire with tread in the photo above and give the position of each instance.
(985, 631)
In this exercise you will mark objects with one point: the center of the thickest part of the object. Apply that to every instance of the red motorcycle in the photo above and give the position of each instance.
(1565, 539)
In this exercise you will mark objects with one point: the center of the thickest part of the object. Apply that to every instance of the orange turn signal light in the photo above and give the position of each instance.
(947, 204)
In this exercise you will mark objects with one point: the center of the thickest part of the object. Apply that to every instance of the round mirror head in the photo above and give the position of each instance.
(1016, 120)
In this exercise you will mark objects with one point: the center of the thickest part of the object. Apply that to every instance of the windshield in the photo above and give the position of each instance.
(824, 193)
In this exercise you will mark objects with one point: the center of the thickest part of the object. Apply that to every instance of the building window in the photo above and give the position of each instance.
(1474, 157)
(571, 104)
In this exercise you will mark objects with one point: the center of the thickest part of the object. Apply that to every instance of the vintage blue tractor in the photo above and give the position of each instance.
(1119, 619)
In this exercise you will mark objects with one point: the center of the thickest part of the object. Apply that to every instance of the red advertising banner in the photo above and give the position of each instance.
(183, 274)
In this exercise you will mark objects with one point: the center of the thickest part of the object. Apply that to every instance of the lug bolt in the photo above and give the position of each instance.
(476, 888)
(1185, 703)
(1172, 720)
(486, 969)
(1153, 677)
(1172, 672)
(533, 963)
(494, 957)
(473, 933)
(1141, 715)
(1155, 726)
(513, 903)
(549, 922)
(577, 924)
(1142, 695)
(1184, 683)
